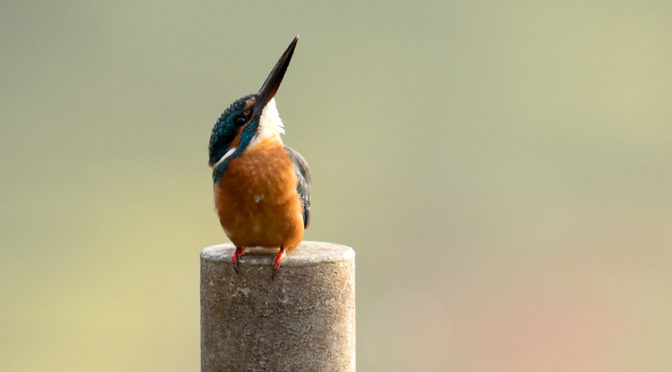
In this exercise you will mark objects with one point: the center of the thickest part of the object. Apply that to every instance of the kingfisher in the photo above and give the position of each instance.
(261, 186)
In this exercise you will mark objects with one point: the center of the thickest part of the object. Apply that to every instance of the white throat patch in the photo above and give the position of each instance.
(270, 125)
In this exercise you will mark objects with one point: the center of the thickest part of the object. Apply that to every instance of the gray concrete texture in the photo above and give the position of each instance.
(304, 320)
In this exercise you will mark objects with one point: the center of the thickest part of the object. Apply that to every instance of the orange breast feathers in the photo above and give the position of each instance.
(257, 201)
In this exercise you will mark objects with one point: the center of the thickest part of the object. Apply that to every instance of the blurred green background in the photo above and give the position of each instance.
(502, 168)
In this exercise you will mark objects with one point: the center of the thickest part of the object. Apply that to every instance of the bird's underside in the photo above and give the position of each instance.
(263, 200)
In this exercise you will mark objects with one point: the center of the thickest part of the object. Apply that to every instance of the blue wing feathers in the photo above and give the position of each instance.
(303, 186)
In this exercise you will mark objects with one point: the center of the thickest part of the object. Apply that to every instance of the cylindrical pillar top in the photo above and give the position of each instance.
(307, 254)
(304, 320)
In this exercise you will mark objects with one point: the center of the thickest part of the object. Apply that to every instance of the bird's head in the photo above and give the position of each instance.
(249, 119)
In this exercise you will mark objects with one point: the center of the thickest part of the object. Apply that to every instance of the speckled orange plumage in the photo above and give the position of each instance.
(257, 202)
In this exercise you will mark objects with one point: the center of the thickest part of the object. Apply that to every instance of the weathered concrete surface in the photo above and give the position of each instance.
(304, 320)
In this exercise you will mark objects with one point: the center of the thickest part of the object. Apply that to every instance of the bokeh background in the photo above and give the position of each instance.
(502, 168)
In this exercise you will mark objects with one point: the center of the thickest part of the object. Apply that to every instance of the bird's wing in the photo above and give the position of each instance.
(303, 187)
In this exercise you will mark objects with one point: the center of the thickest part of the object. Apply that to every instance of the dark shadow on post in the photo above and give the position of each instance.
(304, 320)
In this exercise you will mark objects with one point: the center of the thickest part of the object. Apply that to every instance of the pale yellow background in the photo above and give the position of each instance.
(502, 168)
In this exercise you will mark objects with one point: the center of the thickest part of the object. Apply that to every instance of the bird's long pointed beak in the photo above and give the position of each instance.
(272, 83)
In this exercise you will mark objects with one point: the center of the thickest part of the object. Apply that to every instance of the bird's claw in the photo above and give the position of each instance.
(235, 258)
(277, 261)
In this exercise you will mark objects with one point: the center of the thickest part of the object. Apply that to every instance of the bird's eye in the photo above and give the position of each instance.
(240, 120)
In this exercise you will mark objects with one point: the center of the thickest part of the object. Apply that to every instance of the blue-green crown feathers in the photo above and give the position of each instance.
(226, 128)
(225, 131)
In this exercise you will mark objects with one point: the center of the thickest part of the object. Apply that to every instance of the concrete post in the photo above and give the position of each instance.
(304, 320)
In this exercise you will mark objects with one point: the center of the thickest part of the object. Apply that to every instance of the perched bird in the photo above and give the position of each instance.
(261, 186)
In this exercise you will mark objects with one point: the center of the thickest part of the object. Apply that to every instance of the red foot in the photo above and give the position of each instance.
(277, 261)
(236, 257)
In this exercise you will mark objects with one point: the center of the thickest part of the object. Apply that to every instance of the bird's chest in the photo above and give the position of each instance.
(263, 174)
(258, 186)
